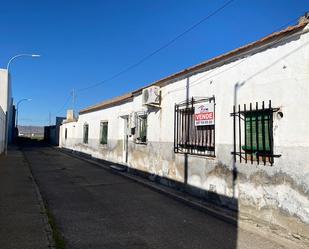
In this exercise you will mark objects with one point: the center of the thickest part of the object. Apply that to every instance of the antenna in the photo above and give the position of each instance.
(73, 101)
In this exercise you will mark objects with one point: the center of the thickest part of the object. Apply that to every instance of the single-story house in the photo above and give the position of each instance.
(233, 129)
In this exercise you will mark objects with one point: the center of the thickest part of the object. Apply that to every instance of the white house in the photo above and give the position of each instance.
(233, 129)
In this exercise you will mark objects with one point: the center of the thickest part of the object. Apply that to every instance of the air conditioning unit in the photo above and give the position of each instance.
(151, 96)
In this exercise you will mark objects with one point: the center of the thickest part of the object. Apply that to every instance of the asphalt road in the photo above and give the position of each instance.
(95, 208)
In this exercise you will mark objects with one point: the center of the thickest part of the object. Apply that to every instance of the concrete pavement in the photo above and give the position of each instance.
(23, 224)
(95, 208)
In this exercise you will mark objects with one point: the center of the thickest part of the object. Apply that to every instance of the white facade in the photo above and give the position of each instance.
(6, 109)
(278, 71)
(2, 131)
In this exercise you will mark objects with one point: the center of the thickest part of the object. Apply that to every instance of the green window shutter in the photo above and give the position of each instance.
(257, 145)
(104, 132)
(86, 130)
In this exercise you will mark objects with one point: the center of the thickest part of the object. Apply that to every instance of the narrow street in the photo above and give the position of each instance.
(94, 208)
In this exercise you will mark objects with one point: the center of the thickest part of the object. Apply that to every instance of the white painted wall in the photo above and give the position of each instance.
(279, 73)
(2, 131)
(6, 104)
(5, 90)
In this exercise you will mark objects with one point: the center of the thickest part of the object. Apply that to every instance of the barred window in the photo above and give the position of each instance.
(253, 133)
(103, 132)
(85, 133)
(141, 134)
(194, 127)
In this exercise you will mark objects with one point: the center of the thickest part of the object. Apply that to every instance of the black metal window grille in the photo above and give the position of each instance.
(253, 133)
(141, 129)
(86, 131)
(191, 139)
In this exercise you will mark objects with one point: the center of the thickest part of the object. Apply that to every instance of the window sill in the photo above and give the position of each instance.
(141, 143)
(197, 155)
(204, 157)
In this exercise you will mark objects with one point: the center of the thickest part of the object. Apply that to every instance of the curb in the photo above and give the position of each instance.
(47, 227)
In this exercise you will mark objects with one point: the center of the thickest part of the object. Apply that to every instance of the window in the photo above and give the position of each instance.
(66, 133)
(103, 132)
(141, 129)
(253, 134)
(194, 127)
(257, 132)
(86, 133)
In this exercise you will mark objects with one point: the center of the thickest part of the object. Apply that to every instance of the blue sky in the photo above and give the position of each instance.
(84, 42)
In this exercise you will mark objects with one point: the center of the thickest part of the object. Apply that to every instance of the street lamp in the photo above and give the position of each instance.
(20, 101)
(6, 117)
(20, 55)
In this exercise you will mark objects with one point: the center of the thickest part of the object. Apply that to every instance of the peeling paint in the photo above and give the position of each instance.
(277, 194)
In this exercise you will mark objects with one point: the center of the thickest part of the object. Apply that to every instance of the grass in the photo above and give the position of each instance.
(59, 240)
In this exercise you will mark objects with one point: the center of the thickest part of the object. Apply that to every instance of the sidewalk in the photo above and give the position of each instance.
(23, 223)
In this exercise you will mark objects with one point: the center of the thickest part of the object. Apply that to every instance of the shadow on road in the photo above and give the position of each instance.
(97, 208)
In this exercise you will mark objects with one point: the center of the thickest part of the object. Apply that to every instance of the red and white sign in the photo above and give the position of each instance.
(204, 114)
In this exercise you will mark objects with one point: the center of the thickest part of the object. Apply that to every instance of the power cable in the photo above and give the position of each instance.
(202, 78)
(159, 49)
(64, 105)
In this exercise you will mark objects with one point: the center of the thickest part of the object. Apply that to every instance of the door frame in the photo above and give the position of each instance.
(125, 148)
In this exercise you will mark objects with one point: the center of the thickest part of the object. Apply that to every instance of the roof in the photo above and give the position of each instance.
(191, 70)
(108, 103)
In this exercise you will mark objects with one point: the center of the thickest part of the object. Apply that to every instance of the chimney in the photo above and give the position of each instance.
(304, 18)
(70, 116)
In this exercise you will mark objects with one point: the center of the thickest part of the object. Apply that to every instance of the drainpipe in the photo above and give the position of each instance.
(186, 154)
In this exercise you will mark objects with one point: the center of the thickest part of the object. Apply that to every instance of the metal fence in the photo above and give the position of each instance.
(189, 138)
(253, 133)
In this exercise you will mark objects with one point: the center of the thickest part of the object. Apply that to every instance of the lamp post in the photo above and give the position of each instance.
(8, 94)
(17, 106)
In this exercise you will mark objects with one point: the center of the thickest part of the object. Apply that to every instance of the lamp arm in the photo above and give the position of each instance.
(14, 57)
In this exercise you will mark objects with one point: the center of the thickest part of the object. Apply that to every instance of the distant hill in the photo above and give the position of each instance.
(30, 130)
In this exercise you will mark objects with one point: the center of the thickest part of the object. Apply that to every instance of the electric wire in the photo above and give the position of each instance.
(64, 105)
(160, 48)
(202, 78)
(195, 82)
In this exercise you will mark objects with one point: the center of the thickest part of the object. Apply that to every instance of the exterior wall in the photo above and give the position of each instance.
(6, 104)
(5, 93)
(51, 133)
(11, 122)
(277, 194)
(2, 131)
